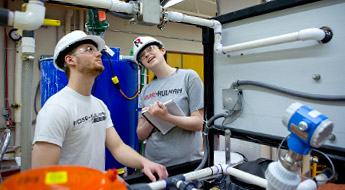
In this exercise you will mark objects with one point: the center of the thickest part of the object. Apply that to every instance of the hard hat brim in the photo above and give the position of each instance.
(59, 60)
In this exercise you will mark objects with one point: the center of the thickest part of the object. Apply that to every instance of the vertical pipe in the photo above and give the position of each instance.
(227, 146)
(17, 97)
(81, 20)
(68, 17)
(28, 48)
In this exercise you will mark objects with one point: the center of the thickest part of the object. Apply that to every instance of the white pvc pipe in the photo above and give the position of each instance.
(68, 18)
(17, 97)
(215, 24)
(213, 171)
(246, 176)
(31, 19)
(306, 34)
(112, 5)
(81, 20)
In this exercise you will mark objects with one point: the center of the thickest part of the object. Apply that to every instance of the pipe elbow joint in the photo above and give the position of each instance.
(218, 48)
(311, 34)
(32, 18)
(217, 26)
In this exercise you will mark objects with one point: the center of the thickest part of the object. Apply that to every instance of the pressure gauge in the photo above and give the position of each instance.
(14, 35)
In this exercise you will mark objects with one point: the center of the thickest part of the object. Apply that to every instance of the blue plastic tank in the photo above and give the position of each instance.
(124, 112)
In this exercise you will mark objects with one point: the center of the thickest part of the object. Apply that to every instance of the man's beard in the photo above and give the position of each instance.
(95, 70)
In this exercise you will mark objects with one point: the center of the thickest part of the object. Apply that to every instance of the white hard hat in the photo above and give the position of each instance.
(71, 41)
(140, 43)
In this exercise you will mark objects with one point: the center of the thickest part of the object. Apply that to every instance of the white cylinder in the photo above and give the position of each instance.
(28, 45)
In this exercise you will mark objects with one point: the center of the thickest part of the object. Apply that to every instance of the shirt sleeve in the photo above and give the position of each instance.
(195, 92)
(51, 125)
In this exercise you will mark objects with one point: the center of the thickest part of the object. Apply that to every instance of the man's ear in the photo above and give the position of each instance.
(69, 60)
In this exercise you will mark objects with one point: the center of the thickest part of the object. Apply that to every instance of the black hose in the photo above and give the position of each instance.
(320, 97)
(208, 125)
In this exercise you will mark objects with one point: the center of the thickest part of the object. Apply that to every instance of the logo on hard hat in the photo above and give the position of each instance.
(137, 42)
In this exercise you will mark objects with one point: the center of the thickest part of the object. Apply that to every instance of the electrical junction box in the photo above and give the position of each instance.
(151, 12)
(231, 99)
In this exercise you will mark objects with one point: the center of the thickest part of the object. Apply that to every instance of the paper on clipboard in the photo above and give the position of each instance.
(163, 126)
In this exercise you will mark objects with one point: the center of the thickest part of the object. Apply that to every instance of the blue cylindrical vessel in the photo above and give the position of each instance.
(52, 80)
(124, 112)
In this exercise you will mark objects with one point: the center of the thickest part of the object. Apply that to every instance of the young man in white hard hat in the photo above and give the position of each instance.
(73, 127)
(183, 143)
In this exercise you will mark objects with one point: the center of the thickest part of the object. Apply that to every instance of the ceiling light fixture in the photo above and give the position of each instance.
(169, 3)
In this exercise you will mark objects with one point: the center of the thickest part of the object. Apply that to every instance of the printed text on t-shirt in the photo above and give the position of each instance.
(161, 93)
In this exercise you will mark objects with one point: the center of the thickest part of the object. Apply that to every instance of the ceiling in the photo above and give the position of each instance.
(199, 8)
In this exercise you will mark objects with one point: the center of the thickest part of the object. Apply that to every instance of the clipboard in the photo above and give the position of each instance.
(163, 126)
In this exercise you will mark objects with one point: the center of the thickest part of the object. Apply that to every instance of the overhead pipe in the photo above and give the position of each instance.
(214, 24)
(112, 5)
(306, 34)
(31, 19)
(323, 35)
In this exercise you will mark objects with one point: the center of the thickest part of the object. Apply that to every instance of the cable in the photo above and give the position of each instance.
(207, 127)
(320, 97)
(325, 155)
(117, 82)
(330, 161)
(280, 145)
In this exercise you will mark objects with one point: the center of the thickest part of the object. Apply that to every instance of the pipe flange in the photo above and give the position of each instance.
(164, 20)
(328, 34)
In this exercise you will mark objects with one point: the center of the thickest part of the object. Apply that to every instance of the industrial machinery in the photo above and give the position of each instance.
(309, 129)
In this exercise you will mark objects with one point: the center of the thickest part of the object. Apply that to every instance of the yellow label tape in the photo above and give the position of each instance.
(56, 177)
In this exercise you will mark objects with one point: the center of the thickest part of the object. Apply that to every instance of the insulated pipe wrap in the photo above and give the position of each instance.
(4, 17)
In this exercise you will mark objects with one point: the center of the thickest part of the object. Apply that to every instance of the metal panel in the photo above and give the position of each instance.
(289, 65)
